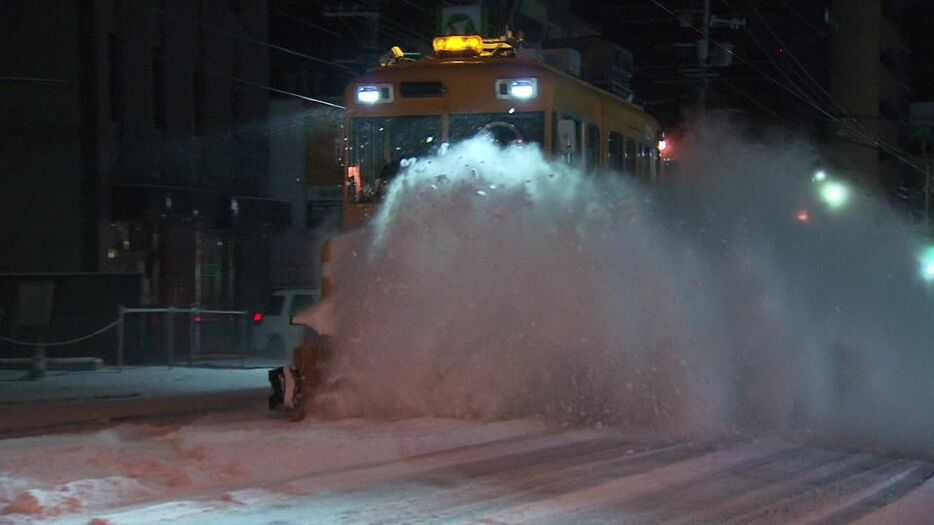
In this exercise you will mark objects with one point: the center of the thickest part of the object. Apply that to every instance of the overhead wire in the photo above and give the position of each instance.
(277, 90)
(739, 57)
(895, 152)
(798, 14)
(778, 67)
(413, 4)
(797, 62)
(216, 74)
(400, 26)
(762, 106)
(305, 22)
(249, 39)
(33, 80)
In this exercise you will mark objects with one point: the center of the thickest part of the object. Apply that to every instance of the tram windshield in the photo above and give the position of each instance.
(378, 144)
(503, 127)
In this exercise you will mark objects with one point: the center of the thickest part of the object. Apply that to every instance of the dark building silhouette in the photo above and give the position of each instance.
(134, 140)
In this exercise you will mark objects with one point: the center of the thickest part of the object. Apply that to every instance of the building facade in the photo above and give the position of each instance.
(870, 83)
(139, 142)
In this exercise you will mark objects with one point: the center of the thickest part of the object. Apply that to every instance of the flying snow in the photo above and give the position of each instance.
(496, 283)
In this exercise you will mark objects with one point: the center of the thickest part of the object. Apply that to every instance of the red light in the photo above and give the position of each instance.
(197, 318)
(803, 216)
(781, 51)
(257, 318)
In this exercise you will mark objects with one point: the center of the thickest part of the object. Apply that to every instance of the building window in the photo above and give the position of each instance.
(116, 81)
(158, 89)
(236, 106)
(198, 95)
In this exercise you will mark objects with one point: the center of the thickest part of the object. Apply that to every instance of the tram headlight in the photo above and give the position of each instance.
(368, 94)
(523, 88)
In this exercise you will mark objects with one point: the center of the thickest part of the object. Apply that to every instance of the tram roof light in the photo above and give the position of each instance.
(458, 44)
(368, 94)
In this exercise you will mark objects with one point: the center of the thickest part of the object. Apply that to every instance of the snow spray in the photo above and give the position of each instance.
(498, 283)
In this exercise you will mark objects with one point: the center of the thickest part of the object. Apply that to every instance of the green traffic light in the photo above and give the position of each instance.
(927, 263)
(834, 193)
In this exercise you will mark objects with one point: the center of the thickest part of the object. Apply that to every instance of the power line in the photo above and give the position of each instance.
(733, 53)
(276, 90)
(216, 74)
(689, 94)
(760, 105)
(400, 26)
(250, 39)
(33, 80)
(768, 56)
(305, 22)
(416, 6)
(895, 151)
(801, 17)
(882, 145)
(797, 63)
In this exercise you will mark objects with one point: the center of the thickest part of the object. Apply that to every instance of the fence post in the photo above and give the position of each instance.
(195, 345)
(143, 335)
(121, 318)
(170, 336)
(244, 319)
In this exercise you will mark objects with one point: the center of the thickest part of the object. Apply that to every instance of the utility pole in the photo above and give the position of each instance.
(927, 186)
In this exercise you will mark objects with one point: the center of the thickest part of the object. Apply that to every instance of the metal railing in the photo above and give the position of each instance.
(202, 329)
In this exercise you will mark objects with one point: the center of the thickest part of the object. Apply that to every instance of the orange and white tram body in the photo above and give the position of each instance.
(407, 107)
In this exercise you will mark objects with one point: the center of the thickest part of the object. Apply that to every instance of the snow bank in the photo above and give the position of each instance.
(74, 496)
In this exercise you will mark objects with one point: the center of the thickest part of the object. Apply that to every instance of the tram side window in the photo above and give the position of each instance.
(593, 147)
(567, 141)
(645, 162)
(615, 152)
(629, 159)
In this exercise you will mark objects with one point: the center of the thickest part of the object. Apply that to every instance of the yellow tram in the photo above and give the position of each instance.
(407, 107)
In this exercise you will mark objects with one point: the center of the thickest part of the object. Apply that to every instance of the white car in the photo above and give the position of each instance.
(273, 334)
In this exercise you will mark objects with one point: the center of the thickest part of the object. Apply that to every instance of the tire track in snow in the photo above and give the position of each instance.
(483, 490)
(812, 500)
(578, 476)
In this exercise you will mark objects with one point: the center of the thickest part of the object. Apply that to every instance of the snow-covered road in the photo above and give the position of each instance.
(238, 468)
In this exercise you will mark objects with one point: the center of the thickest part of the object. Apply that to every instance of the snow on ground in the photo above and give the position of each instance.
(241, 468)
(75, 476)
